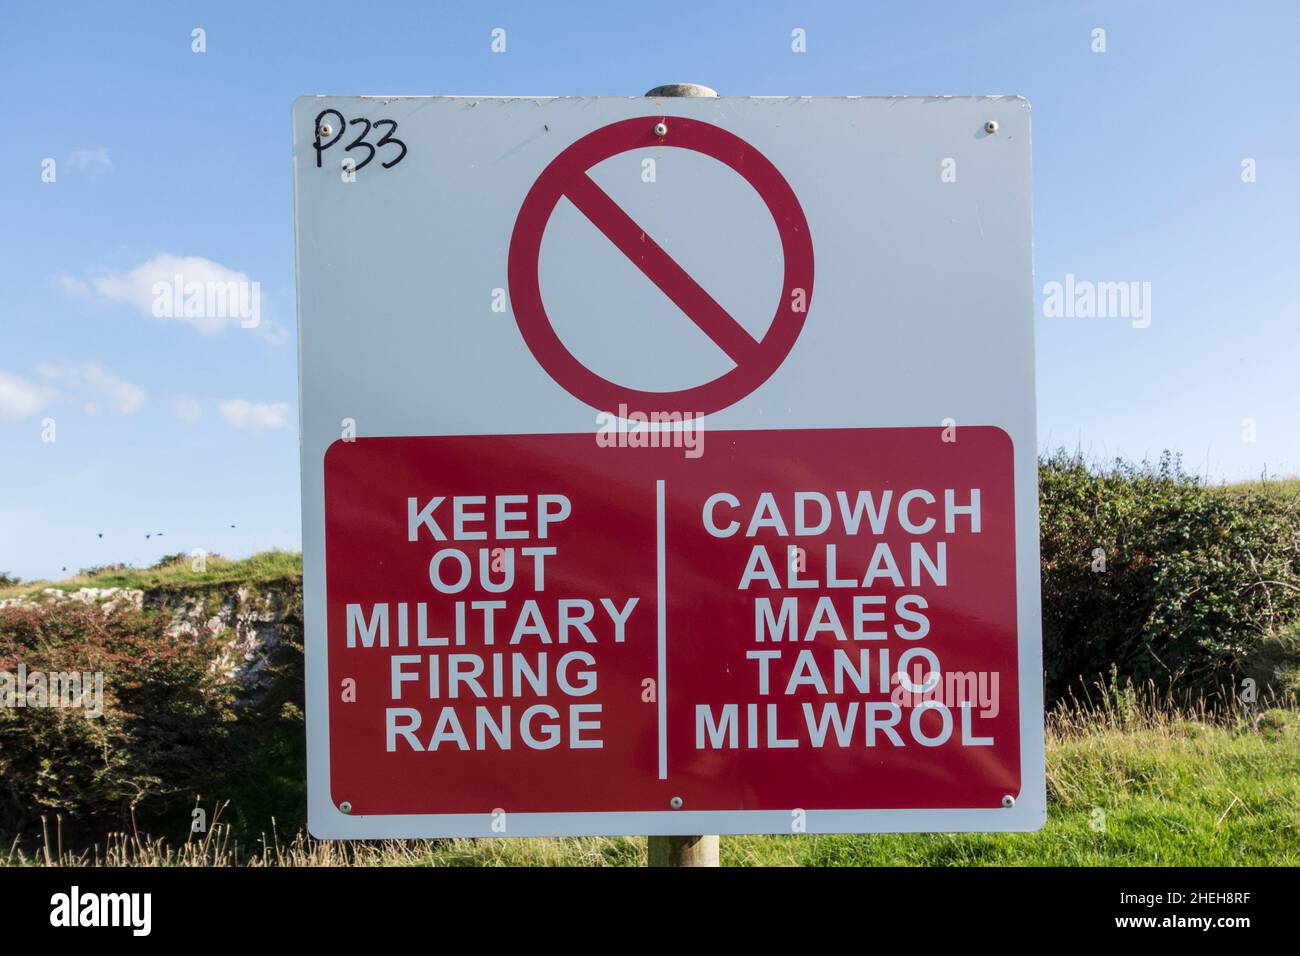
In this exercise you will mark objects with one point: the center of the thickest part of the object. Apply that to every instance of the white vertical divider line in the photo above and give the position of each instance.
(661, 689)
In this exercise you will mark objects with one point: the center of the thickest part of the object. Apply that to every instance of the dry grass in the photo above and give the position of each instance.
(1133, 778)
(1126, 708)
(215, 848)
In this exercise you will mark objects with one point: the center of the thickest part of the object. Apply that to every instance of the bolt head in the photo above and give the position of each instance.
(345, 806)
(661, 129)
(682, 89)
(325, 130)
(991, 126)
(675, 803)
(1008, 801)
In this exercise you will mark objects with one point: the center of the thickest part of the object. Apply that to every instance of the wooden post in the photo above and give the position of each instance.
(682, 850)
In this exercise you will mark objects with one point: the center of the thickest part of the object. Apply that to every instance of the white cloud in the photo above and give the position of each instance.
(90, 159)
(73, 286)
(242, 413)
(201, 293)
(187, 409)
(20, 398)
(101, 390)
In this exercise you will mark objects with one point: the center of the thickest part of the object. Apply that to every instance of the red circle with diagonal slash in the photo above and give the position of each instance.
(567, 176)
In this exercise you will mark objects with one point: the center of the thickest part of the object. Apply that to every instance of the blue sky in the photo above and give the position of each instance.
(165, 427)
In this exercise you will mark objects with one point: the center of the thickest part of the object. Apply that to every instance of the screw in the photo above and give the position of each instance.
(991, 126)
(345, 806)
(661, 129)
(1008, 801)
(682, 89)
(675, 803)
(325, 130)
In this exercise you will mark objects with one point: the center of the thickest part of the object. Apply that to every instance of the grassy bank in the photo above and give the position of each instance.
(1127, 785)
(1284, 488)
(177, 572)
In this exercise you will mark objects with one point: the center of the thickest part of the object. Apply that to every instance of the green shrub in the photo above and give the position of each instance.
(163, 731)
(1274, 662)
(1195, 582)
(268, 777)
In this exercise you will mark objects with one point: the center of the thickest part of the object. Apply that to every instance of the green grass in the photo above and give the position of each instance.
(1285, 488)
(1186, 794)
(1174, 790)
(267, 567)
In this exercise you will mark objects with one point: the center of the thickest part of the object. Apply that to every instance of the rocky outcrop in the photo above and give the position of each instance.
(110, 598)
(250, 621)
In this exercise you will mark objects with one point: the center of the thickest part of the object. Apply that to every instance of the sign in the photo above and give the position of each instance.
(611, 525)
(567, 177)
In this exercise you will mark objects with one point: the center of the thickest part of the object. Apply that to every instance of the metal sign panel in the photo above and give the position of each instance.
(669, 465)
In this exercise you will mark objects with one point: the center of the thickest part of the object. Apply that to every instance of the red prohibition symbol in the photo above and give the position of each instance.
(567, 175)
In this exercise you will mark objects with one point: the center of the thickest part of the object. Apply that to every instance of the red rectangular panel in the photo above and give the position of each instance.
(570, 715)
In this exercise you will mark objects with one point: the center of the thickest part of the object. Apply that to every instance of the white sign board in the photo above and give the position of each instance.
(669, 465)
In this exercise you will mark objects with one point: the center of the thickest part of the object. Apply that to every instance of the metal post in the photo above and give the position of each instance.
(682, 850)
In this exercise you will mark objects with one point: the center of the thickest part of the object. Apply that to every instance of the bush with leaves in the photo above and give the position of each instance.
(163, 732)
(1147, 570)
(268, 778)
